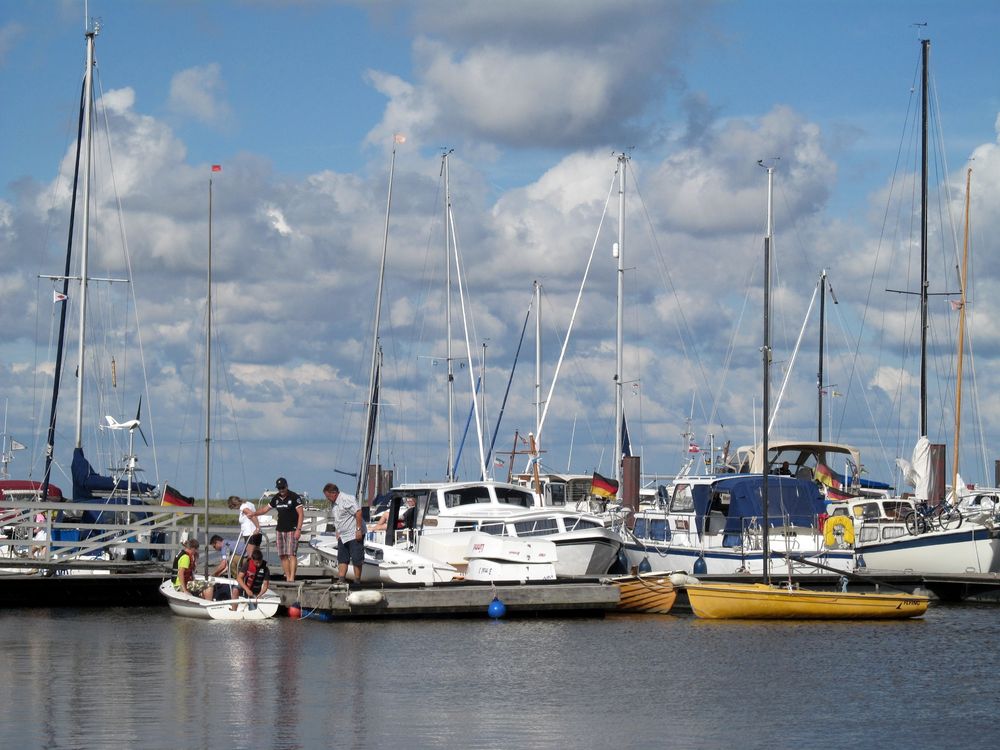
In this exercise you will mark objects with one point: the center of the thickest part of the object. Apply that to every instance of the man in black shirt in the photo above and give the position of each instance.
(291, 513)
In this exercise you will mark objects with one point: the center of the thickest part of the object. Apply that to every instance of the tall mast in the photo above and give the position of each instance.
(538, 359)
(961, 335)
(88, 140)
(819, 371)
(60, 346)
(208, 376)
(373, 388)
(450, 475)
(925, 55)
(766, 356)
(619, 328)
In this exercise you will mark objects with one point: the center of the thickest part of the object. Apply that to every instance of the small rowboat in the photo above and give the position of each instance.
(189, 605)
(759, 601)
(652, 594)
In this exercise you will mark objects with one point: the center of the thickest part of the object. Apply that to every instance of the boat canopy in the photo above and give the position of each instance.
(86, 481)
(791, 502)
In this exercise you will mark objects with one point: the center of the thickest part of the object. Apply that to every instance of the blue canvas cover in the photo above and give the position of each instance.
(791, 501)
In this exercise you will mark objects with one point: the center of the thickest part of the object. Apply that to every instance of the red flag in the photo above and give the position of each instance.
(216, 167)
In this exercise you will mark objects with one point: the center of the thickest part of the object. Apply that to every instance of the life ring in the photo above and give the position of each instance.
(846, 527)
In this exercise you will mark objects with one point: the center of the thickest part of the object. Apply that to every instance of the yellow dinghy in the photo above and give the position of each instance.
(759, 601)
(650, 594)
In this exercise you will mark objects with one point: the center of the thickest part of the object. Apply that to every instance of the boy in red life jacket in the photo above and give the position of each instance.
(253, 577)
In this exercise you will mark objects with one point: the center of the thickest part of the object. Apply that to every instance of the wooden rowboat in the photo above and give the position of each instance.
(653, 594)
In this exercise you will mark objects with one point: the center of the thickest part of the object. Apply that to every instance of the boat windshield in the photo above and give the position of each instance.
(683, 500)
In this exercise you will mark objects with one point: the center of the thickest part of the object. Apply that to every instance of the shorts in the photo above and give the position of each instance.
(221, 592)
(255, 539)
(286, 543)
(197, 587)
(352, 552)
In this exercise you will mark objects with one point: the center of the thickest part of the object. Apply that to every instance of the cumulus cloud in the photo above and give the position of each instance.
(200, 93)
(560, 74)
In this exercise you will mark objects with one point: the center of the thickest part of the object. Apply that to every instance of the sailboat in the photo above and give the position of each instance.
(765, 600)
(948, 548)
(88, 484)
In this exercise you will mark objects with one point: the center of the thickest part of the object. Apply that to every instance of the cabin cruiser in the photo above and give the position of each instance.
(713, 525)
(454, 521)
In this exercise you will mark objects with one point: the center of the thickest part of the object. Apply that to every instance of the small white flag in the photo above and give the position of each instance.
(16, 446)
(956, 304)
(57, 296)
(399, 138)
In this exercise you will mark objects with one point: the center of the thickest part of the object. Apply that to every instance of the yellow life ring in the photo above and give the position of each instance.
(830, 531)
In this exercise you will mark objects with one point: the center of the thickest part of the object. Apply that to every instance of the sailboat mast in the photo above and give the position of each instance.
(208, 377)
(819, 371)
(366, 448)
(538, 360)
(88, 140)
(766, 356)
(450, 475)
(619, 328)
(961, 336)
(60, 345)
(925, 55)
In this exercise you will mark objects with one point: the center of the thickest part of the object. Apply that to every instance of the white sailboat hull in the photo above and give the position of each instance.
(968, 549)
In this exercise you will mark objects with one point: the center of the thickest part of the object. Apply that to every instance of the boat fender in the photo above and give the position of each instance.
(838, 526)
(364, 598)
(683, 579)
(497, 608)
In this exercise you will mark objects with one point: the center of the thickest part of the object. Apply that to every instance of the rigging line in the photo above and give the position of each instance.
(576, 307)
(890, 466)
(224, 372)
(664, 271)
(503, 403)
(788, 373)
(879, 245)
(131, 284)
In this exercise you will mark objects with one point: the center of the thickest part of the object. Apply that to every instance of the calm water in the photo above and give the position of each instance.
(144, 678)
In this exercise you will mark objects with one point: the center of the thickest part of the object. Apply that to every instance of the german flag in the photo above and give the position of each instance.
(602, 486)
(173, 497)
(825, 475)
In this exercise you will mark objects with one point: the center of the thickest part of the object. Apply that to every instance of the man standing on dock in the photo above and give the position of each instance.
(350, 527)
(291, 514)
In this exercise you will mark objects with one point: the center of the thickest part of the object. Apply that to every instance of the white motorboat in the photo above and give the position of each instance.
(388, 564)
(584, 544)
(188, 605)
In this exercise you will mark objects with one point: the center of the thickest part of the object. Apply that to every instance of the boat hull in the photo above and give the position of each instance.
(969, 549)
(650, 594)
(590, 552)
(758, 601)
(722, 561)
(187, 605)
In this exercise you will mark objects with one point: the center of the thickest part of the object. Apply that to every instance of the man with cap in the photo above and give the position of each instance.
(291, 513)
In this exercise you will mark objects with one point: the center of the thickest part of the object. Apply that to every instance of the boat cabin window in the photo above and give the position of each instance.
(556, 494)
(536, 526)
(490, 527)
(466, 496)
(513, 496)
(895, 509)
(720, 503)
(867, 511)
(654, 529)
(580, 523)
(683, 500)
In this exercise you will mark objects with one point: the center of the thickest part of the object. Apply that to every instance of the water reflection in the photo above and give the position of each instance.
(129, 677)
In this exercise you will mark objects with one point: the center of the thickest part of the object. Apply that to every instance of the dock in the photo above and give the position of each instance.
(334, 601)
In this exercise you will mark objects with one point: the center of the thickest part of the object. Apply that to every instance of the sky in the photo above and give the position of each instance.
(299, 101)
